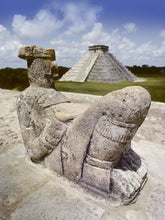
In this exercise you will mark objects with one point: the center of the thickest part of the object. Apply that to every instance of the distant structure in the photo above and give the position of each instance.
(98, 65)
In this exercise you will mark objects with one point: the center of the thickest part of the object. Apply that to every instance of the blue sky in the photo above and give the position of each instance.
(134, 30)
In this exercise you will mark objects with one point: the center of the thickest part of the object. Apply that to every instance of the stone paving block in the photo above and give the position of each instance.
(52, 201)
(18, 150)
(3, 216)
(154, 155)
(17, 183)
(156, 203)
(7, 162)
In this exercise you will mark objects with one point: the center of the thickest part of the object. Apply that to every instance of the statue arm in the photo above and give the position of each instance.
(41, 132)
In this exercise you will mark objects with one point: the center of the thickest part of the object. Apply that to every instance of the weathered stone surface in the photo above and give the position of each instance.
(11, 137)
(105, 132)
(154, 201)
(155, 133)
(97, 177)
(128, 177)
(3, 216)
(32, 52)
(42, 65)
(7, 162)
(15, 184)
(149, 152)
(53, 202)
(89, 145)
(69, 111)
(129, 105)
(41, 131)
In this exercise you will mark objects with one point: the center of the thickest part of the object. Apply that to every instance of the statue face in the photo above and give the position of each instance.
(42, 72)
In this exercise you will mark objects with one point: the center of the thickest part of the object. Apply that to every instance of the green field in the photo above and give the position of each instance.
(154, 83)
(17, 79)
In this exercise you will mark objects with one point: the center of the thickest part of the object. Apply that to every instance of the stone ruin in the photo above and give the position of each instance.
(98, 65)
(88, 143)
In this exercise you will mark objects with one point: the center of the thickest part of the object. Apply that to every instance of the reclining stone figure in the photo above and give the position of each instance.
(87, 143)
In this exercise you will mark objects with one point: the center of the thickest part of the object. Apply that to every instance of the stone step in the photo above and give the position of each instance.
(121, 67)
(75, 71)
(103, 66)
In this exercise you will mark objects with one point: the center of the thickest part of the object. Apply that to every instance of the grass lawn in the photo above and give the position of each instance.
(155, 84)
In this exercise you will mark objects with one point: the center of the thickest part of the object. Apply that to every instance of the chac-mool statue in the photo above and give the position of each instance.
(88, 143)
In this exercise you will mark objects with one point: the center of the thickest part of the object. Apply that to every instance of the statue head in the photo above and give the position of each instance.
(42, 67)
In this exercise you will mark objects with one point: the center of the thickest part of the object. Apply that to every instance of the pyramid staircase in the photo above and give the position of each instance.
(98, 66)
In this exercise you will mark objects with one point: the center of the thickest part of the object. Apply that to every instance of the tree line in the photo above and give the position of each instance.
(146, 70)
(18, 78)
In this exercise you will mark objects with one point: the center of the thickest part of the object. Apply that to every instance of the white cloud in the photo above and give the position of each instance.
(146, 53)
(68, 52)
(118, 45)
(126, 50)
(70, 29)
(76, 18)
(146, 48)
(97, 35)
(160, 52)
(130, 27)
(9, 46)
(162, 33)
(79, 16)
(40, 27)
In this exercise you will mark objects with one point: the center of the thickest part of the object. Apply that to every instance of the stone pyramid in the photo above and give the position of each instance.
(98, 65)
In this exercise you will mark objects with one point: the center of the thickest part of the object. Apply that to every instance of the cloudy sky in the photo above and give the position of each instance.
(134, 30)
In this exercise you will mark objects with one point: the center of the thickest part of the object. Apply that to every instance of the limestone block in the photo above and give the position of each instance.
(32, 52)
(97, 177)
(53, 201)
(16, 183)
(7, 162)
(155, 206)
(42, 65)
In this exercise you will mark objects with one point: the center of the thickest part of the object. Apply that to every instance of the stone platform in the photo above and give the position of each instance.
(29, 191)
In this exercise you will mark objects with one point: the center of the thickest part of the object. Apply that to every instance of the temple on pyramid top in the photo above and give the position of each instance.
(98, 48)
(98, 65)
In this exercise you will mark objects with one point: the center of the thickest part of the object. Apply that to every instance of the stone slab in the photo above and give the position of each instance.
(16, 183)
(7, 162)
(152, 128)
(149, 206)
(18, 150)
(9, 127)
(154, 155)
(52, 201)
(3, 216)
(97, 177)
